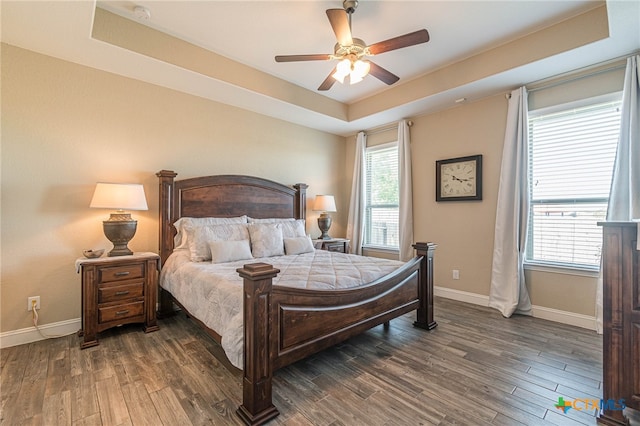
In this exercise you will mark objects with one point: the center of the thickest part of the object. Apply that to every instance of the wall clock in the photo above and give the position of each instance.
(459, 179)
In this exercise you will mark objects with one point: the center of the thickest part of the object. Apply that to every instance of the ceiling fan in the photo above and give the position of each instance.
(350, 51)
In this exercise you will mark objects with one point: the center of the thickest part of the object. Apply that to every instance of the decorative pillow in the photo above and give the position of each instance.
(199, 238)
(291, 227)
(266, 239)
(230, 251)
(298, 245)
(180, 240)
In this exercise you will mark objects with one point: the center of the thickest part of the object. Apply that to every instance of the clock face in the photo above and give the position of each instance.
(459, 179)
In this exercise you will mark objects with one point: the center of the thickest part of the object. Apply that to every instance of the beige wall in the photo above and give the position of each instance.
(464, 230)
(65, 127)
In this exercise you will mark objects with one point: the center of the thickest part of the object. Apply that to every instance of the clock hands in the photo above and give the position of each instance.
(458, 179)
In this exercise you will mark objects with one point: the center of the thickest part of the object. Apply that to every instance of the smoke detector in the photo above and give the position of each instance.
(141, 13)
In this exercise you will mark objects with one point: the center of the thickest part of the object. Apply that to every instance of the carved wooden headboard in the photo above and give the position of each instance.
(224, 196)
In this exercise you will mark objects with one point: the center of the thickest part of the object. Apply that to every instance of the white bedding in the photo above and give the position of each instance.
(213, 292)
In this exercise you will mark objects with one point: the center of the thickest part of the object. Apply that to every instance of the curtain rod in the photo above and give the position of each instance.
(570, 76)
(576, 78)
(385, 128)
(589, 71)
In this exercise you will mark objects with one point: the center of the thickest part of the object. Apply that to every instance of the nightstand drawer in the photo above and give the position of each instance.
(118, 273)
(119, 312)
(339, 247)
(114, 293)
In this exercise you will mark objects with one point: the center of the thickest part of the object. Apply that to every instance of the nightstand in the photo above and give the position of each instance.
(117, 290)
(335, 244)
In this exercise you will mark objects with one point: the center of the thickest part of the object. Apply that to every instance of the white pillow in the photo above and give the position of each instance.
(298, 245)
(230, 251)
(291, 227)
(199, 238)
(270, 220)
(266, 239)
(180, 241)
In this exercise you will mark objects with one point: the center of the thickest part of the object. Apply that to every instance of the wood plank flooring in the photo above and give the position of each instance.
(475, 368)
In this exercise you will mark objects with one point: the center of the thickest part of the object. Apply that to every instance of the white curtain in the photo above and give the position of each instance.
(355, 223)
(406, 192)
(508, 292)
(624, 197)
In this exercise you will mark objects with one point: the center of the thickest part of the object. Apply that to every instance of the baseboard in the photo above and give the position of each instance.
(564, 317)
(461, 296)
(30, 334)
(570, 318)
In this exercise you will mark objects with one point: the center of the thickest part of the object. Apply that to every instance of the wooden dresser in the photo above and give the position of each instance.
(118, 290)
(621, 319)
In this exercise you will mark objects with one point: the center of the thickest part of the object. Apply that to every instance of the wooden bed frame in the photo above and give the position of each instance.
(283, 325)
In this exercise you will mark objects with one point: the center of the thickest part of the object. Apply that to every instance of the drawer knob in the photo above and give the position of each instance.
(122, 293)
(121, 274)
(122, 312)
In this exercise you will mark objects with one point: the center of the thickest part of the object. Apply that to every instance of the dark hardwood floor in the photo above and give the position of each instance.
(475, 368)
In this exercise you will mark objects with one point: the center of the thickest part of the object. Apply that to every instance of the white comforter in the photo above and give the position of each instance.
(213, 292)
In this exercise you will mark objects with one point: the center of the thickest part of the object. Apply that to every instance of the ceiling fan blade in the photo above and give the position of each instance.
(416, 37)
(296, 58)
(328, 82)
(340, 24)
(382, 74)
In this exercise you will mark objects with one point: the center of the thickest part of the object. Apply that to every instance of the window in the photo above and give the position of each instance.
(571, 156)
(381, 215)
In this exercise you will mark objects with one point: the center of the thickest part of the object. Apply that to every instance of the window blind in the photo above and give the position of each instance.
(381, 221)
(571, 156)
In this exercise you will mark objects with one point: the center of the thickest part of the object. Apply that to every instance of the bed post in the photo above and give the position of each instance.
(165, 197)
(425, 290)
(300, 200)
(257, 406)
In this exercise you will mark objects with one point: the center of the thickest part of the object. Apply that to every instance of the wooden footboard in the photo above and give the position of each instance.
(283, 325)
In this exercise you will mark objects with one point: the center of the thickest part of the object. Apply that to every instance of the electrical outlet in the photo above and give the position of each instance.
(30, 302)
(456, 274)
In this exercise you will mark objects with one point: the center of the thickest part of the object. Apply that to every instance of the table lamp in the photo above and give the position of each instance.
(120, 228)
(324, 204)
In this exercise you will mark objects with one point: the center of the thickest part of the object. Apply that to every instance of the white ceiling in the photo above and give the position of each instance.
(252, 33)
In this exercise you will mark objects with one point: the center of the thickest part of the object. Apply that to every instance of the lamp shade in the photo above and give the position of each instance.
(324, 203)
(119, 196)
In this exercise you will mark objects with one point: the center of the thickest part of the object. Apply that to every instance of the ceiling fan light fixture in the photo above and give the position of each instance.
(342, 70)
(353, 79)
(359, 70)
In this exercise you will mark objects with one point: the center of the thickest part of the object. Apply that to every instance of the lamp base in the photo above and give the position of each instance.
(120, 229)
(324, 223)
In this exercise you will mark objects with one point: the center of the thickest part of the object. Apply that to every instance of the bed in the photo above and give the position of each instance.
(281, 324)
